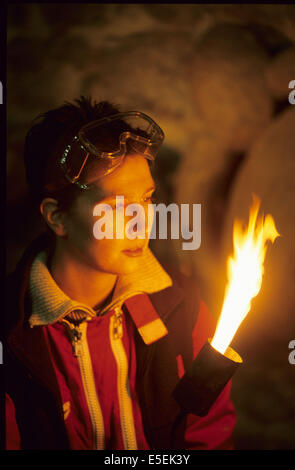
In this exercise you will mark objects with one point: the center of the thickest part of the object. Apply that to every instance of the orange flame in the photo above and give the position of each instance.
(245, 271)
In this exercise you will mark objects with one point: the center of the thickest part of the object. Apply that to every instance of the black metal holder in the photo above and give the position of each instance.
(203, 382)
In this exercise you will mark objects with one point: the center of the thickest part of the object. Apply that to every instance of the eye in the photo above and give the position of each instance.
(120, 206)
(149, 199)
(112, 204)
(116, 205)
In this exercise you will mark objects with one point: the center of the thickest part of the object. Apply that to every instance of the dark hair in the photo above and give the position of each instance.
(47, 139)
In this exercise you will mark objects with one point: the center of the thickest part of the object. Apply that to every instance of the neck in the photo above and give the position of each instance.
(78, 281)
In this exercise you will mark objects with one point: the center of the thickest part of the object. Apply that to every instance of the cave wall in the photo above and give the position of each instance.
(216, 79)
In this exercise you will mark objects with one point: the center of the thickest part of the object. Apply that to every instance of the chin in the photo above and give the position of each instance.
(128, 266)
(124, 267)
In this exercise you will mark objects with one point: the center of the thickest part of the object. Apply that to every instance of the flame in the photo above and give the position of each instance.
(244, 271)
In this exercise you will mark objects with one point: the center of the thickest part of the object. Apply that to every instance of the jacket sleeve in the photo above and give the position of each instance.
(215, 430)
(13, 441)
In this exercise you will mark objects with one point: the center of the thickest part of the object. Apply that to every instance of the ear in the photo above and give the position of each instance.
(53, 216)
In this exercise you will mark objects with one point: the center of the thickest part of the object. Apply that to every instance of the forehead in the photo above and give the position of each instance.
(132, 178)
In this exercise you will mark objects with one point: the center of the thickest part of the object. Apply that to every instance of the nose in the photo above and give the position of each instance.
(138, 225)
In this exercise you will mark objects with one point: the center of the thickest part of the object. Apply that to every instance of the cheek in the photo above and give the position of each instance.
(150, 216)
(106, 250)
(138, 218)
(103, 254)
(107, 256)
(80, 230)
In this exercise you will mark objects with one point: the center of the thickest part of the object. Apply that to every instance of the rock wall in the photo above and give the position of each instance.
(216, 79)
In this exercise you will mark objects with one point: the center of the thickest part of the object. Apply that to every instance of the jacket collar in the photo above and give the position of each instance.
(28, 344)
(50, 303)
(154, 280)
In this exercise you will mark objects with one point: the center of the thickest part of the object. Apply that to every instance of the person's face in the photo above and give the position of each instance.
(132, 180)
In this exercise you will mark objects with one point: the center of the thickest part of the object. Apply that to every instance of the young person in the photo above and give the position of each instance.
(99, 333)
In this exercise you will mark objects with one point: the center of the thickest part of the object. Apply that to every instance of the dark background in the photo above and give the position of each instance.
(216, 79)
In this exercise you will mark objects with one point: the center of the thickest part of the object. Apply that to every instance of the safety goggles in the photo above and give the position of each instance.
(100, 146)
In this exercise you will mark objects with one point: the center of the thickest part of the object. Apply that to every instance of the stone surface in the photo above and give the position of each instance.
(269, 173)
(203, 164)
(206, 84)
(280, 72)
(264, 387)
(228, 85)
(150, 72)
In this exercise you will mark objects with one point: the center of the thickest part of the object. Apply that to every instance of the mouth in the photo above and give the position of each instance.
(133, 253)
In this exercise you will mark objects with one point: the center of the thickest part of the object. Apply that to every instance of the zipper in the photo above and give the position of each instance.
(123, 387)
(116, 305)
(81, 351)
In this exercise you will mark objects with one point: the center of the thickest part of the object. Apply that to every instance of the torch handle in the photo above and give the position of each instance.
(203, 382)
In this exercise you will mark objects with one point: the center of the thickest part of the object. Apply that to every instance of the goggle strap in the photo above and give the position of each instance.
(83, 164)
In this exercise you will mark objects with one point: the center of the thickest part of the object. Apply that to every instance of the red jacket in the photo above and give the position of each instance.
(111, 392)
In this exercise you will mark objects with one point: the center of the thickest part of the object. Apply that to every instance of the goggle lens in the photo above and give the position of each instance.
(95, 152)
